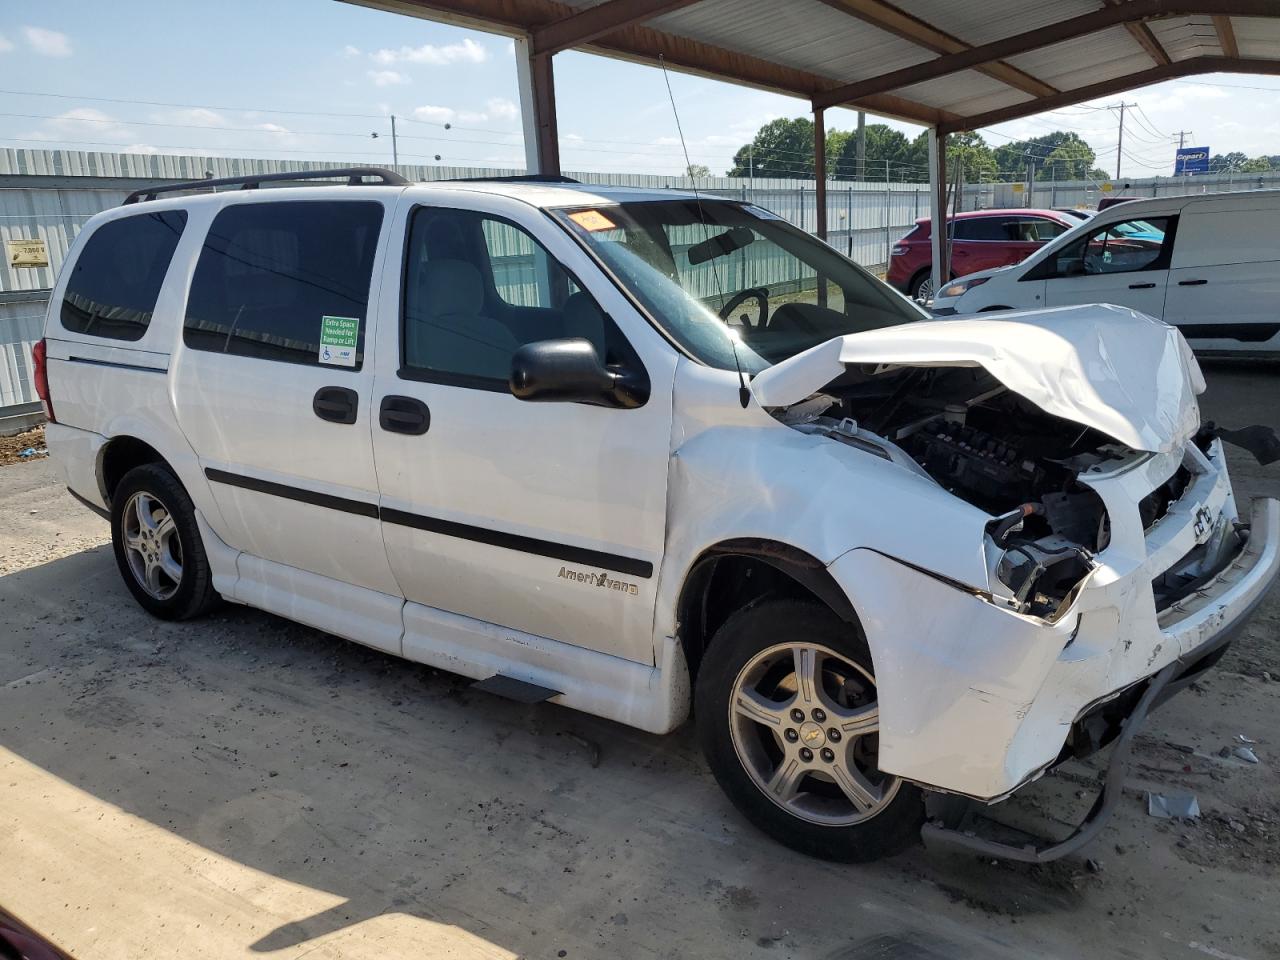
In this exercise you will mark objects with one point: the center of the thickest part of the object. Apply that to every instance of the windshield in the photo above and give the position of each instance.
(715, 272)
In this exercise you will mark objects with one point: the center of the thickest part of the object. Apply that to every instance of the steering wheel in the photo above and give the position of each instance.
(759, 294)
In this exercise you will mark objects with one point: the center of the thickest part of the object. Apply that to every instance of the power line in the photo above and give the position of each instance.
(191, 106)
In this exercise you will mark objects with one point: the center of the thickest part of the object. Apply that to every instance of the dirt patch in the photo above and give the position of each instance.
(12, 448)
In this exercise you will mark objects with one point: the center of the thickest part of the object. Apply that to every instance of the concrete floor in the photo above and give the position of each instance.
(242, 786)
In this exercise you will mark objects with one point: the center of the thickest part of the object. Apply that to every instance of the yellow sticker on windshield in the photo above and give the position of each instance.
(592, 220)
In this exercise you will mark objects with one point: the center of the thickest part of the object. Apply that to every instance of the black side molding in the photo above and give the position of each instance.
(449, 528)
(117, 366)
(512, 541)
(358, 507)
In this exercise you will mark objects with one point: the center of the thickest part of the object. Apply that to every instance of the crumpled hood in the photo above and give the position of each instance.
(1107, 367)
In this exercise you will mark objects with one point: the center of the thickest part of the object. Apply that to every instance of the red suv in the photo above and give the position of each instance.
(979, 240)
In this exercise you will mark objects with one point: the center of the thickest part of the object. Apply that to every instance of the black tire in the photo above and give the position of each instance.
(913, 288)
(747, 633)
(194, 594)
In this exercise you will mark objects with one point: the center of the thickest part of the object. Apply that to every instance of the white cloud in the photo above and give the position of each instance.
(5, 44)
(387, 78)
(47, 43)
(140, 148)
(502, 109)
(273, 128)
(192, 116)
(349, 51)
(468, 51)
(431, 114)
(472, 116)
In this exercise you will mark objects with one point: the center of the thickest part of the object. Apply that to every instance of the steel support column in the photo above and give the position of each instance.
(937, 202)
(820, 172)
(536, 84)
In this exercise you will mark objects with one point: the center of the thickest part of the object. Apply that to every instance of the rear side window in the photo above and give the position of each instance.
(287, 281)
(116, 280)
(982, 228)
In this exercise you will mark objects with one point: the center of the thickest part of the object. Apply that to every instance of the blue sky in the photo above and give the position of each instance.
(269, 78)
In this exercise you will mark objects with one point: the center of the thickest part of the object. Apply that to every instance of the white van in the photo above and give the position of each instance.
(1208, 264)
(641, 452)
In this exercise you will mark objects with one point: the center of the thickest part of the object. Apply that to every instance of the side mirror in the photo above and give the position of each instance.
(570, 371)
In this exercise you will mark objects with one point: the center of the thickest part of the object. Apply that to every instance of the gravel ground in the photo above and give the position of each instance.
(11, 447)
(243, 785)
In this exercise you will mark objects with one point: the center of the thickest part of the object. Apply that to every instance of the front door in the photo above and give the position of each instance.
(1125, 263)
(272, 389)
(546, 518)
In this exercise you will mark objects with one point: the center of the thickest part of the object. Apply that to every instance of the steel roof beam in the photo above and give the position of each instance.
(1179, 68)
(889, 18)
(1226, 36)
(1074, 28)
(642, 44)
(594, 22)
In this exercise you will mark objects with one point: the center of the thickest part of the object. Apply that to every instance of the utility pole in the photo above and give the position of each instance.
(1182, 139)
(395, 147)
(860, 147)
(751, 165)
(1120, 138)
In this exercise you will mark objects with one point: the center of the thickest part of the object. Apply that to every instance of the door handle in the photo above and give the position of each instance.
(336, 404)
(1192, 283)
(1142, 286)
(404, 415)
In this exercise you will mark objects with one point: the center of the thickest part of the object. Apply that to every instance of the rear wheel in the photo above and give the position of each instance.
(157, 544)
(788, 718)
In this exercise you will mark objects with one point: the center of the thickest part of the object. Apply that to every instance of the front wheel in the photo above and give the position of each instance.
(157, 544)
(788, 718)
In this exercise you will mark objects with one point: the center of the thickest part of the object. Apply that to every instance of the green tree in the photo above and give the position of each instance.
(1070, 160)
(781, 148)
(697, 171)
(1256, 165)
(884, 145)
(1227, 163)
(1012, 158)
(977, 160)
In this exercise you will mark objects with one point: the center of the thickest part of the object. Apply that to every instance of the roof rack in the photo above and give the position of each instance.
(355, 177)
(518, 178)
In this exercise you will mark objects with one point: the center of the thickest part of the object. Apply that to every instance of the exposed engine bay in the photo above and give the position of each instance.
(991, 448)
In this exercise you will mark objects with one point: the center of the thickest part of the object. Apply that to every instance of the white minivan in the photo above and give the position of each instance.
(1207, 264)
(646, 452)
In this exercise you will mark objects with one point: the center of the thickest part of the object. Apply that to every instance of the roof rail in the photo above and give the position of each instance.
(518, 178)
(355, 177)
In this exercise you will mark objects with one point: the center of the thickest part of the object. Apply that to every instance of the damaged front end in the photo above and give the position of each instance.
(1116, 563)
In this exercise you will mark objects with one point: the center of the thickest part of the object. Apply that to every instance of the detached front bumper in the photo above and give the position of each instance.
(977, 700)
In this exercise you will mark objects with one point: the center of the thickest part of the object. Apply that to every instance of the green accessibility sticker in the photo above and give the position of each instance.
(338, 340)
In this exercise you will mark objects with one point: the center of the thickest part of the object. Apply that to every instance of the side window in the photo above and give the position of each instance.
(982, 228)
(116, 280)
(1039, 229)
(477, 287)
(523, 274)
(286, 280)
(1124, 247)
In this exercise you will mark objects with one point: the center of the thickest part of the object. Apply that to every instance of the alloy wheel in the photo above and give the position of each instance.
(152, 545)
(805, 724)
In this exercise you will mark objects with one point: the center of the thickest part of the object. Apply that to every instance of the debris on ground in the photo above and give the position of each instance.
(1245, 754)
(24, 447)
(1183, 806)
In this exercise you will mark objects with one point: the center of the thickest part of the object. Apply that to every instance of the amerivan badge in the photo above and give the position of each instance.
(338, 340)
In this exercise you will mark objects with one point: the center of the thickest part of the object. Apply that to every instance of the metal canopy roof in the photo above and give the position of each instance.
(950, 64)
